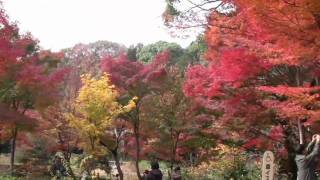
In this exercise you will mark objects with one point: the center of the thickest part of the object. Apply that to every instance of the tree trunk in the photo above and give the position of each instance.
(116, 159)
(301, 139)
(137, 138)
(175, 140)
(13, 148)
(92, 141)
(290, 165)
(67, 158)
(172, 152)
(298, 81)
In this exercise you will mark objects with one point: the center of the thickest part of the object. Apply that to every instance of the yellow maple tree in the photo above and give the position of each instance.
(96, 107)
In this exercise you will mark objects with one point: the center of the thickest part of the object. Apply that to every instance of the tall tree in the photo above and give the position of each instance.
(133, 79)
(133, 50)
(84, 59)
(173, 122)
(27, 79)
(278, 41)
(56, 130)
(96, 108)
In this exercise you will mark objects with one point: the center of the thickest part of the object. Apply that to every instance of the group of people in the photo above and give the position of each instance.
(58, 170)
(156, 174)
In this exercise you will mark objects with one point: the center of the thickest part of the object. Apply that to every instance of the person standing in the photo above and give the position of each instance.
(305, 159)
(155, 173)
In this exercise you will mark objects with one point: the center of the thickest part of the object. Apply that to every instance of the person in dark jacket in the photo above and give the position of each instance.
(305, 159)
(155, 173)
(145, 174)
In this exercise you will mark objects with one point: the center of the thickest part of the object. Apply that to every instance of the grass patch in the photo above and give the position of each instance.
(7, 177)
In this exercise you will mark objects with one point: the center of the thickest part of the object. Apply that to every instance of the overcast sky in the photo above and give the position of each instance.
(63, 23)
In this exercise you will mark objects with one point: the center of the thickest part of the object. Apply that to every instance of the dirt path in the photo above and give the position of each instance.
(129, 171)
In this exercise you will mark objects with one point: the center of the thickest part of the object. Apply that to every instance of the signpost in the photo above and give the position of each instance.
(268, 166)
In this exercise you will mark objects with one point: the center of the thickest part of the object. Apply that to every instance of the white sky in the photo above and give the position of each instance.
(63, 23)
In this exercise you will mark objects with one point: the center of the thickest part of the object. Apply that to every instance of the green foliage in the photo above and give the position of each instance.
(238, 169)
(147, 53)
(196, 50)
(193, 54)
(133, 50)
(242, 174)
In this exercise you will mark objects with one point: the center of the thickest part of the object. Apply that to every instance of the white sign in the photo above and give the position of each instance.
(268, 166)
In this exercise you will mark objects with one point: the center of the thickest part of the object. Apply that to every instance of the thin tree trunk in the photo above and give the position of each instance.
(73, 176)
(175, 140)
(92, 141)
(172, 153)
(290, 165)
(301, 140)
(67, 158)
(13, 148)
(298, 82)
(116, 159)
(137, 138)
(114, 153)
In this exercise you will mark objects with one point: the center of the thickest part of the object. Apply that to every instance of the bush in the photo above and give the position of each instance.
(236, 172)
(38, 152)
(232, 163)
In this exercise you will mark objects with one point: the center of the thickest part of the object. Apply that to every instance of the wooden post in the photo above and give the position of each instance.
(267, 166)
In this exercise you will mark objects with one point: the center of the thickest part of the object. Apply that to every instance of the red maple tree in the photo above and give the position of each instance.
(133, 79)
(28, 78)
(262, 74)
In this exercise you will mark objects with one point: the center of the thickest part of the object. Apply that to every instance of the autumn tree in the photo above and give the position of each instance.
(278, 41)
(134, 79)
(173, 123)
(56, 130)
(84, 59)
(27, 79)
(96, 109)
(8, 118)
